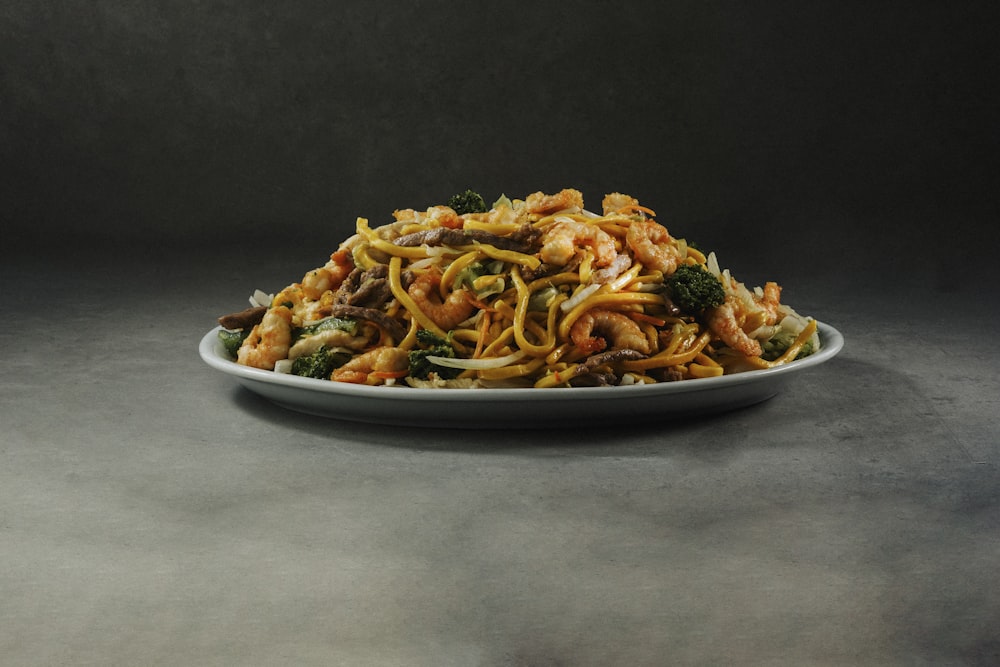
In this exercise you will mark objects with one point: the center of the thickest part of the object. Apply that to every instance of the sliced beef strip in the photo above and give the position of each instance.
(349, 286)
(519, 241)
(243, 319)
(369, 289)
(612, 356)
(379, 317)
(371, 294)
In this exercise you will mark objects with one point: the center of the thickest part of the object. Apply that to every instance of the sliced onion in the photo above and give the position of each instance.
(563, 218)
(261, 298)
(478, 364)
(437, 250)
(712, 264)
(578, 298)
(426, 262)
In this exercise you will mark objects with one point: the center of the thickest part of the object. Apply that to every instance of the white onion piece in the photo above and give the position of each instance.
(261, 298)
(712, 264)
(478, 364)
(436, 250)
(578, 298)
(426, 262)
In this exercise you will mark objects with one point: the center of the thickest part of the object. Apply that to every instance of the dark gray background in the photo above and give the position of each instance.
(830, 142)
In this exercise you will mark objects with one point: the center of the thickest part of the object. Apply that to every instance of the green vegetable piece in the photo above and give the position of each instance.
(467, 278)
(326, 324)
(320, 364)
(776, 346)
(468, 275)
(427, 338)
(539, 301)
(694, 289)
(431, 346)
(233, 339)
(468, 202)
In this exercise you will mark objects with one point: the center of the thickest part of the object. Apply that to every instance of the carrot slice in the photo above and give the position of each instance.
(636, 208)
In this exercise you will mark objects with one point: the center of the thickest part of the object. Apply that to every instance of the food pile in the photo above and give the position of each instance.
(534, 292)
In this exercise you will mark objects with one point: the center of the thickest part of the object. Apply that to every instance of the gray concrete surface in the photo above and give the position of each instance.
(152, 513)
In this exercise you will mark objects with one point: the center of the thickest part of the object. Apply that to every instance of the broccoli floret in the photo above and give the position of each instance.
(233, 339)
(693, 289)
(319, 364)
(468, 202)
(431, 346)
(776, 346)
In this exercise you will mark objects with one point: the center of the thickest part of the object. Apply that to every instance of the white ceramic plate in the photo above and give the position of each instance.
(516, 408)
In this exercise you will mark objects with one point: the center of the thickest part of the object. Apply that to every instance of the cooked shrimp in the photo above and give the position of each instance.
(561, 241)
(442, 216)
(597, 327)
(329, 276)
(502, 214)
(618, 266)
(374, 366)
(653, 246)
(292, 297)
(770, 301)
(445, 216)
(316, 282)
(755, 310)
(446, 314)
(743, 313)
(539, 202)
(340, 265)
(268, 341)
(725, 322)
(616, 201)
(404, 214)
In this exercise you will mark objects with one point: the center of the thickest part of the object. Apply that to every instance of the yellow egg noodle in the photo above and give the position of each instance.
(534, 292)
